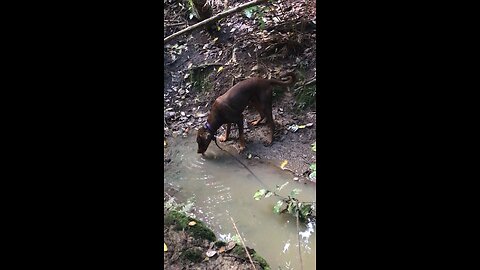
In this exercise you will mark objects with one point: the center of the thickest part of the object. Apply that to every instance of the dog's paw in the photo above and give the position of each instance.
(222, 138)
(240, 148)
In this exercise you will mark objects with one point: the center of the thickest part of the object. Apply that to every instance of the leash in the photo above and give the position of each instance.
(215, 139)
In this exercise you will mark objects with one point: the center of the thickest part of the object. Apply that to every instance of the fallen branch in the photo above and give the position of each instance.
(214, 18)
(244, 246)
(314, 80)
(173, 24)
(208, 65)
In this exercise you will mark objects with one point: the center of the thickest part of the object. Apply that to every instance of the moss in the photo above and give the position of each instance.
(239, 251)
(220, 244)
(263, 263)
(180, 222)
(193, 255)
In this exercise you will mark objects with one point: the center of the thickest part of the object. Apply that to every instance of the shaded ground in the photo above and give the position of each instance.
(191, 245)
(200, 66)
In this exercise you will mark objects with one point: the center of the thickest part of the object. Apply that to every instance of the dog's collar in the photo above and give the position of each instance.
(208, 127)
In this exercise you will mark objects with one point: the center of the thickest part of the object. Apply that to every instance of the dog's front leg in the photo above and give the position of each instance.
(224, 137)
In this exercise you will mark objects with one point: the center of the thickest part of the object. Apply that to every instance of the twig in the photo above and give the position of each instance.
(243, 243)
(299, 244)
(173, 24)
(208, 65)
(214, 18)
(314, 80)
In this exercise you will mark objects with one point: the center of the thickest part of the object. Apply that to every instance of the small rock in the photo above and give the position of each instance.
(230, 246)
(295, 179)
(211, 253)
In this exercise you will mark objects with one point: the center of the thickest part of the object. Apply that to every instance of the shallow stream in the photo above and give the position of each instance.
(222, 188)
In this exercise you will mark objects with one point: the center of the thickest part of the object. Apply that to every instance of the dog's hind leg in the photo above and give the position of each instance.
(271, 124)
(241, 135)
(259, 109)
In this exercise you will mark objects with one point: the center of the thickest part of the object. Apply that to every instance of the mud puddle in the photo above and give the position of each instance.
(222, 188)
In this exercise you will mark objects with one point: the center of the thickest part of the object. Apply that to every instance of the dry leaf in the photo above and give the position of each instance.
(220, 69)
(192, 223)
(284, 163)
(165, 247)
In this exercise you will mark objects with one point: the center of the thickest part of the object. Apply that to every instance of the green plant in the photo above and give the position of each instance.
(306, 97)
(193, 10)
(198, 78)
(289, 204)
(257, 13)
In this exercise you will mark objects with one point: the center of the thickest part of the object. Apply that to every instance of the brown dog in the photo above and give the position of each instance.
(228, 108)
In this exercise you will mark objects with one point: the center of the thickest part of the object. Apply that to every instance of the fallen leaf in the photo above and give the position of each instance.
(220, 69)
(221, 250)
(165, 247)
(192, 223)
(284, 163)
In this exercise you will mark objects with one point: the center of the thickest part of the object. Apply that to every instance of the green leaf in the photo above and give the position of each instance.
(248, 12)
(313, 166)
(305, 210)
(295, 191)
(259, 194)
(291, 207)
(277, 207)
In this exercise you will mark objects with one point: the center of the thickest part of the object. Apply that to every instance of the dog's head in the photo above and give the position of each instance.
(204, 137)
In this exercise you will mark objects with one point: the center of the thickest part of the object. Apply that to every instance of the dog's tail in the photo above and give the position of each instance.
(290, 81)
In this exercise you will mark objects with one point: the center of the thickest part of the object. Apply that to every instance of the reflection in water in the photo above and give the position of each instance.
(222, 188)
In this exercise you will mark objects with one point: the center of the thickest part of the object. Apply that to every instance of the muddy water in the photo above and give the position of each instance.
(222, 188)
